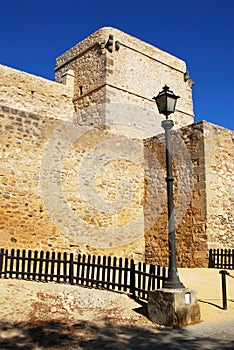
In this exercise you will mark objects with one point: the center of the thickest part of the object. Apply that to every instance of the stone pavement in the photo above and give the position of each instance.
(107, 335)
(223, 330)
(200, 337)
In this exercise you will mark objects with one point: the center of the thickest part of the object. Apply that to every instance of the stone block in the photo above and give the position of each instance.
(173, 308)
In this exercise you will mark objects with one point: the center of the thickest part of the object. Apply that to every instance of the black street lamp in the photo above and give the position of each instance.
(166, 102)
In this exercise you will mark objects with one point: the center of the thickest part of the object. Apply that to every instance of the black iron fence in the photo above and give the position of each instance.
(93, 271)
(221, 258)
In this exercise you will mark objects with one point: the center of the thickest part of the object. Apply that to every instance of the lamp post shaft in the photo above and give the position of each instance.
(173, 281)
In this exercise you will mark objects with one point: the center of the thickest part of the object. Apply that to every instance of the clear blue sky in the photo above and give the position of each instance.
(34, 33)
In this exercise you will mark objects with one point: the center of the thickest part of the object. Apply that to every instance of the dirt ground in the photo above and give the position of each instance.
(207, 283)
(38, 316)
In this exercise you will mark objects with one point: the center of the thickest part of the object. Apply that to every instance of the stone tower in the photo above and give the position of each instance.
(115, 78)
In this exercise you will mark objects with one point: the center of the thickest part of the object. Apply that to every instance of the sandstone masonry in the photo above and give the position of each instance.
(116, 74)
(83, 158)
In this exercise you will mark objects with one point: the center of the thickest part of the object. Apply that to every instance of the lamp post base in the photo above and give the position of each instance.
(173, 308)
(173, 283)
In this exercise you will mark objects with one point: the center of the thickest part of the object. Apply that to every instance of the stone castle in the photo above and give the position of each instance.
(83, 158)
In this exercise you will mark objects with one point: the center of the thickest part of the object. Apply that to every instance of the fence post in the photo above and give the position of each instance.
(132, 278)
(71, 272)
(1, 261)
(224, 289)
(211, 259)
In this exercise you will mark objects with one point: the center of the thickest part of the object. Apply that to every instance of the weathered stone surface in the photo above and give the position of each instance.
(208, 219)
(219, 158)
(125, 77)
(173, 307)
(76, 206)
(39, 96)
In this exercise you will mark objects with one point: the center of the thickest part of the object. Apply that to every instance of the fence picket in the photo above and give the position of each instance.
(77, 277)
(103, 268)
(71, 270)
(83, 269)
(47, 257)
(164, 273)
(1, 261)
(149, 278)
(139, 270)
(51, 265)
(158, 272)
(215, 257)
(23, 263)
(29, 258)
(87, 274)
(132, 278)
(17, 265)
(58, 267)
(108, 273)
(221, 257)
(211, 258)
(98, 270)
(153, 273)
(35, 260)
(144, 295)
(93, 268)
(12, 256)
(114, 272)
(120, 273)
(64, 267)
(40, 269)
(125, 275)
(6, 264)
(224, 257)
(229, 258)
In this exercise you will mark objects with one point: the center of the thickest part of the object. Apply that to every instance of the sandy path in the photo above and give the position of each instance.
(40, 316)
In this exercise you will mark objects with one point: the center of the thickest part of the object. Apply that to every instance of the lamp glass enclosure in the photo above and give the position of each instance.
(166, 101)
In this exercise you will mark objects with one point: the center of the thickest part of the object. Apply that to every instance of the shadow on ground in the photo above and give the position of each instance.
(55, 335)
(209, 303)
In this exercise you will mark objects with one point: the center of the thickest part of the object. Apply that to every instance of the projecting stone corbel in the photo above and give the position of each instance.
(117, 45)
(188, 79)
(109, 45)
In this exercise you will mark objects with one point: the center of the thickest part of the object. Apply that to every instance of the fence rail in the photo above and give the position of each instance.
(93, 271)
(221, 258)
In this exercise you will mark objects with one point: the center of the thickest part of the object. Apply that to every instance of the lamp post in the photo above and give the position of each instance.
(166, 102)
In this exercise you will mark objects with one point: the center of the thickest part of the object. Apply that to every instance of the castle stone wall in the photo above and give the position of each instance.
(34, 94)
(59, 192)
(189, 197)
(219, 162)
(204, 208)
